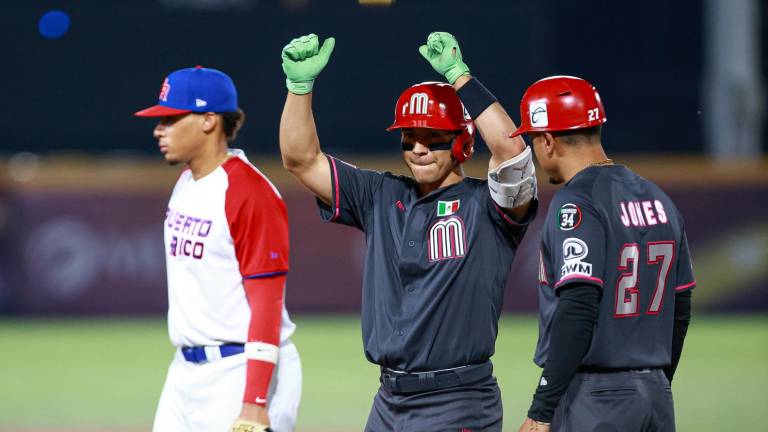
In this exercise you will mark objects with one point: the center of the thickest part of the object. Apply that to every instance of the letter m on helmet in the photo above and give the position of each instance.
(419, 104)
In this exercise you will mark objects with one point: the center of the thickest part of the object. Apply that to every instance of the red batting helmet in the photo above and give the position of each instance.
(560, 103)
(435, 105)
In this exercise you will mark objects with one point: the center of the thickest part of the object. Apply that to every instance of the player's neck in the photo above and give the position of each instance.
(456, 175)
(210, 157)
(582, 158)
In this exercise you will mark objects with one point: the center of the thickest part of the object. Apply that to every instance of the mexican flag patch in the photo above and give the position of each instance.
(445, 208)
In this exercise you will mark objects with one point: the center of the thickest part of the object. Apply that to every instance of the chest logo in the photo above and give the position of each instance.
(569, 217)
(447, 208)
(187, 234)
(447, 239)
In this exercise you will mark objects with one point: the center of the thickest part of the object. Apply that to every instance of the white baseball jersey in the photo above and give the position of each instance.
(217, 233)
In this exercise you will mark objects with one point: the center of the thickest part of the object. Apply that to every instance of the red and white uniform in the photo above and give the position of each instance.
(226, 243)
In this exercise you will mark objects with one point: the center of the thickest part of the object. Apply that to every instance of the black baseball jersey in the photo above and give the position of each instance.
(615, 230)
(435, 266)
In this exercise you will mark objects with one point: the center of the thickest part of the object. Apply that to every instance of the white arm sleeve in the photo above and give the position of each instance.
(513, 182)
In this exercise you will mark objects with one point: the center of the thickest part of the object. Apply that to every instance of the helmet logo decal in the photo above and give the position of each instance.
(419, 103)
(538, 112)
(164, 90)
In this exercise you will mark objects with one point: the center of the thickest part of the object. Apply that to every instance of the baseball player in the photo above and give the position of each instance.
(439, 244)
(226, 243)
(615, 276)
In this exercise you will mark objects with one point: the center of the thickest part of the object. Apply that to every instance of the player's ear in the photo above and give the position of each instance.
(210, 120)
(550, 143)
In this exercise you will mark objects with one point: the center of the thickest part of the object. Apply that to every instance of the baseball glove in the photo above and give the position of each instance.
(247, 426)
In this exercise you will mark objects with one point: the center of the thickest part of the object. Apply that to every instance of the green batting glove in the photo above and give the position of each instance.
(303, 60)
(443, 53)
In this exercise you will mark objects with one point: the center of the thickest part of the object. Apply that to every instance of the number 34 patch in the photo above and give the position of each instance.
(569, 216)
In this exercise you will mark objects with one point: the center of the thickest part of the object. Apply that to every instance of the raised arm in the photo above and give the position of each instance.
(304, 59)
(495, 125)
(442, 51)
(511, 174)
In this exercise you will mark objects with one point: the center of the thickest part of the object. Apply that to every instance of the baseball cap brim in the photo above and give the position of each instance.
(160, 111)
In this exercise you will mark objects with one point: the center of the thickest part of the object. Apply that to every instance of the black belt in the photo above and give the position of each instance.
(402, 382)
(593, 369)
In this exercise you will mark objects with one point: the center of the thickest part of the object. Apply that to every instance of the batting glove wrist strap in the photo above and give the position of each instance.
(299, 88)
(475, 97)
(303, 60)
(443, 53)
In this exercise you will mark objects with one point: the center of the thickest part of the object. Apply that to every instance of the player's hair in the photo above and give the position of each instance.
(578, 136)
(232, 122)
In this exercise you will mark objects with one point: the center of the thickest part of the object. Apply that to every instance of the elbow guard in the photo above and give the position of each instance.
(513, 182)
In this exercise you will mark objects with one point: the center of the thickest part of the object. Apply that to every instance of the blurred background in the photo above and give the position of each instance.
(83, 189)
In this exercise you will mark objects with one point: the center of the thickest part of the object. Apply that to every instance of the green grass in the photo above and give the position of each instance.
(107, 373)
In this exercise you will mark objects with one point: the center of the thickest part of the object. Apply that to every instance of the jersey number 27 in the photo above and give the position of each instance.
(627, 303)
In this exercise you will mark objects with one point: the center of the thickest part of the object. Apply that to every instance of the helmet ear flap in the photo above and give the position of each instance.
(464, 143)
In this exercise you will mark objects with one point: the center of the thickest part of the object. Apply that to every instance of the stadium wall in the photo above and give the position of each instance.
(85, 237)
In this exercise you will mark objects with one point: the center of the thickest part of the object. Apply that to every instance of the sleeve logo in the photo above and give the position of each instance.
(574, 251)
(569, 217)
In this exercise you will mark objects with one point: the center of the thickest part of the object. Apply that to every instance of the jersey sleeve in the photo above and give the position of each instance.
(576, 241)
(353, 190)
(258, 223)
(685, 278)
(513, 230)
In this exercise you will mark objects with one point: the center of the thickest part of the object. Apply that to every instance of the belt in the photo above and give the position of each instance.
(593, 369)
(402, 382)
(202, 354)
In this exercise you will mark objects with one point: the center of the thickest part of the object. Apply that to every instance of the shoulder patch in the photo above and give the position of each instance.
(569, 216)
(574, 252)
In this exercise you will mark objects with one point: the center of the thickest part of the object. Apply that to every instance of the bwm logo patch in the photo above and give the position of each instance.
(574, 251)
(538, 111)
(569, 217)
(447, 239)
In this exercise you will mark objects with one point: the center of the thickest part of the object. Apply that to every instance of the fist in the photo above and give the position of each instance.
(303, 60)
(530, 425)
(443, 53)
